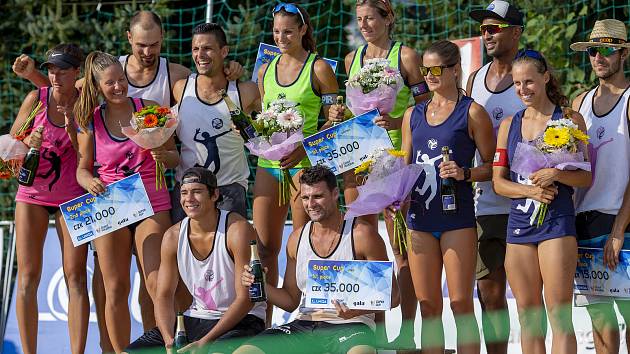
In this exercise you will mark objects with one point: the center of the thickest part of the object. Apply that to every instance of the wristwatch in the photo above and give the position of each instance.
(466, 174)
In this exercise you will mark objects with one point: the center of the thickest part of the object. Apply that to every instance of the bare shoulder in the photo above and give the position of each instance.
(476, 108)
(248, 87)
(293, 241)
(178, 71)
(408, 54)
(261, 71)
(365, 232)
(322, 67)
(171, 236)
(577, 101)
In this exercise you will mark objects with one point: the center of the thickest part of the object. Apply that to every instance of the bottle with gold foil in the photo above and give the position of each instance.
(240, 120)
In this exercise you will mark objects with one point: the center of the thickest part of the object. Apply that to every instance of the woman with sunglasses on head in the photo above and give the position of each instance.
(375, 19)
(55, 183)
(539, 256)
(101, 140)
(442, 235)
(303, 78)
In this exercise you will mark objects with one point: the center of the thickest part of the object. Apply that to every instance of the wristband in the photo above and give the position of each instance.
(419, 89)
(329, 99)
(466, 174)
(500, 158)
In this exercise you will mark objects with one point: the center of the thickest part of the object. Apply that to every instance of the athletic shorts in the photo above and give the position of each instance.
(492, 231)
(233, 198)
(197, 328)
(306, 337)
(593, 228)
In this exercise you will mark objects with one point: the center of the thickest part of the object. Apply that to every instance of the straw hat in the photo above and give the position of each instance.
(606, 33)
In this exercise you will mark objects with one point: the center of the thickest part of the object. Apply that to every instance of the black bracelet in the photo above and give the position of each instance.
(466, 174)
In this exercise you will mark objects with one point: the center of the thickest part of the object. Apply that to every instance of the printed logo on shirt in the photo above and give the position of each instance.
(497, 113)
(432, 143)
(217, 123)
(600, 132)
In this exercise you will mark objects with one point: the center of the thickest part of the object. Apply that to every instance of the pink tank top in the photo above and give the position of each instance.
(121, 157)
(55, 181)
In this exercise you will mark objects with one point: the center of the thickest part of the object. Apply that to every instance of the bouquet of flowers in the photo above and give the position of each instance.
(387, 181)
(560, 146)
(279, 129)
(12, 152)
(376, 85)
(150, 128)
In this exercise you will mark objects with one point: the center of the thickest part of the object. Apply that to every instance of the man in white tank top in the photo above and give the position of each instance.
(604, 208)
(326, 236)
(205, 126)
(492, 87)
(208, 251)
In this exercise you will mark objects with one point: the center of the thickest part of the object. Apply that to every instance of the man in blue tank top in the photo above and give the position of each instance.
(207, 250)
(326, 236)
(492, 87)
(604, 208)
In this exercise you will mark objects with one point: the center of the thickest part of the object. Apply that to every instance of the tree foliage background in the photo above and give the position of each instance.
(32, 27)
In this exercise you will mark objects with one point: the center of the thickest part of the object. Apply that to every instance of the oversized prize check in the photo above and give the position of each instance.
(123, 203)
(361, 285)
(594, 278)
(346, 145)
(267, 52)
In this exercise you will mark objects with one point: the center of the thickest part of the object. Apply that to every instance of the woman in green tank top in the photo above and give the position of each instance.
(302, 77)
(375, 20)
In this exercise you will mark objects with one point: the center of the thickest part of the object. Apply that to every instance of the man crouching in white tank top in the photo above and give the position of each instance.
(204, 250)
(327, 236)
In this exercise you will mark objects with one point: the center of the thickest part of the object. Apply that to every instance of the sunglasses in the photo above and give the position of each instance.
(603, 51)
(434, 70)
(530, 53)
(290, 8)
(494, 28)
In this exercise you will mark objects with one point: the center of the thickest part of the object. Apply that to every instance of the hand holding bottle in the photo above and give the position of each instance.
(34, 140)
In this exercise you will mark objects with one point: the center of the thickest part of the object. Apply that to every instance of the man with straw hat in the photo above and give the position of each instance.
(604, 208)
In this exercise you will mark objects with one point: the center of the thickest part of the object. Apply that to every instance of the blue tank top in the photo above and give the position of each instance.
(425, 212)
(520, 228)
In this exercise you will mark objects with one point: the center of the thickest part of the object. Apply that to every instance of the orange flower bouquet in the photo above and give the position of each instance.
(150, 128)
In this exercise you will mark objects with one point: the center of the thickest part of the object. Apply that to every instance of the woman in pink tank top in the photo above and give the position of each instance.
(101, 139)
(55, 183)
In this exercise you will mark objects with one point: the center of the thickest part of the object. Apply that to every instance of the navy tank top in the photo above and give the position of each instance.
(522, 226)
(425, 212)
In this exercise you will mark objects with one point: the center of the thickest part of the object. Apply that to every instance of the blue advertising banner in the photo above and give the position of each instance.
(52, 303)
(362, 285)
(267, 52)
(346, 145)
(123, 203)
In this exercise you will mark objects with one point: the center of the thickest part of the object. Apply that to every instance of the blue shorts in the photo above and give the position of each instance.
(552, 228)
(277, 171)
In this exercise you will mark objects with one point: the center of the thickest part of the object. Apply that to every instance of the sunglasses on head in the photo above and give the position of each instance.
(494, 28)
(530, 53)
(603, 51)
(290, 8)
(434, 70)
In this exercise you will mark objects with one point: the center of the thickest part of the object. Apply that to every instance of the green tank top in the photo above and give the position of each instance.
(404, 98)
(300, 91)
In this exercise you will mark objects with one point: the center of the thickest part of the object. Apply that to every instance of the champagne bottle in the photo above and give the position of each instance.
(181, 339)
(242, 122)
(448, 188)
(339, 103)
(27, 173)
(257, 289)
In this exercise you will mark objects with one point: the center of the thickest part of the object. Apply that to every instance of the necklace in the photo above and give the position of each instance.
(436, 109)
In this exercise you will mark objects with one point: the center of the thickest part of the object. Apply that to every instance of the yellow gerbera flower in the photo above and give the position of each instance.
(364, 167)
(397, 153)
(556, 137)
(579, 135)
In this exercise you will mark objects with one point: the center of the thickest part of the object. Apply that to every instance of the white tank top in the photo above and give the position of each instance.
(499, 105)
(609, 145)
(158, 90)
(207, 138)
(210, 281)
(343, 252)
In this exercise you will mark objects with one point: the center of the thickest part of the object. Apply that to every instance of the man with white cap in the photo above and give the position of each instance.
(604, 208)
(491, 86)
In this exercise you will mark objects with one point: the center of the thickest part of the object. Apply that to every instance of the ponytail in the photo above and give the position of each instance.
(95, 63)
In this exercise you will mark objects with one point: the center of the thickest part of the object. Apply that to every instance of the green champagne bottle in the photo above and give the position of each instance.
(257, 289)
(181, 339)
(27, 173)
(240, 120)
